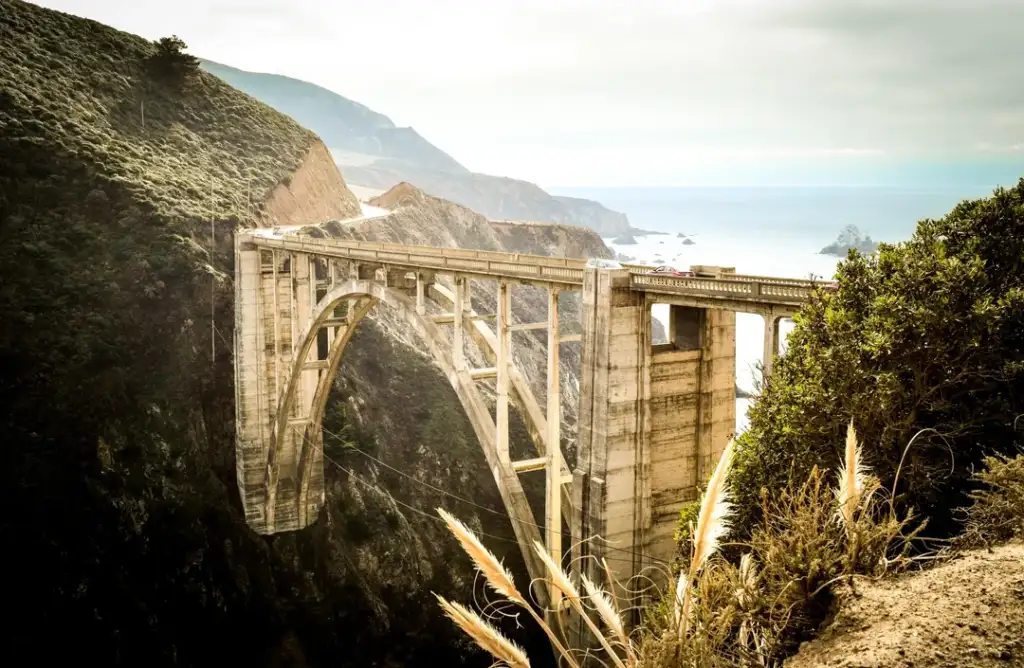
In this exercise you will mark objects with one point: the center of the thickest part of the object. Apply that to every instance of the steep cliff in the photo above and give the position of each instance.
(496, 197)
(315, 191)
(344, 125)
(550, 239)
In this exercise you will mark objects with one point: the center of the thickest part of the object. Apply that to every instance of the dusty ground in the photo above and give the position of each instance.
(967, 612)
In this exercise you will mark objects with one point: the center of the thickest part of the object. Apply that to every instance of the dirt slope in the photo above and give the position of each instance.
(315, 193)
(967, 612)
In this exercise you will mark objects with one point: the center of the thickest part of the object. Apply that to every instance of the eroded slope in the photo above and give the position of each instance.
(967, 612)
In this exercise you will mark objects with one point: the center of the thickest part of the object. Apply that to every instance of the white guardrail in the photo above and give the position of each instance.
(541, 268)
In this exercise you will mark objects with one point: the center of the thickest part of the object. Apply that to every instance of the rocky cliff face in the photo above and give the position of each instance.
(315, 192)
(550, 239)
(344, 125)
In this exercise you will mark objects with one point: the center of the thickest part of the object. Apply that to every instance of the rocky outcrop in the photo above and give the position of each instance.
(850, 238)
(550, 239)
(596, 216)
(497, 198)
(314, 193)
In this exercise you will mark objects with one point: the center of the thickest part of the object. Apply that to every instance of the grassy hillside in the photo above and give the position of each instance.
(83, 89)
(122, 526)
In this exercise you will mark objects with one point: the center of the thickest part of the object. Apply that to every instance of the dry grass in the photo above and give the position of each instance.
(998, 511)
(485, 635)
(711, 525)
(752, 613)
(812, 538)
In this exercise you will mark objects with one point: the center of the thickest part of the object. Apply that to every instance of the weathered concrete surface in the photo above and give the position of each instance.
(653, 420)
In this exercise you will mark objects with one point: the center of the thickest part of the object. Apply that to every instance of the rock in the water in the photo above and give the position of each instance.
(688, 242)
(850, 238)
(625, 239)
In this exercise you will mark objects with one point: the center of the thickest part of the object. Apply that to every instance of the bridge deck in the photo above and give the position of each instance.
(729, 288)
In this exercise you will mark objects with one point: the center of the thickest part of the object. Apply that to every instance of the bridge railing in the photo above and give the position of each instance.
(487, 263)
(568, 271)
(722, 288)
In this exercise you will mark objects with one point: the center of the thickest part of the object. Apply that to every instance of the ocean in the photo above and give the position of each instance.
(771, 231)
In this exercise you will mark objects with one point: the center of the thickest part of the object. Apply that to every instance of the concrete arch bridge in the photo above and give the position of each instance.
(653, 419)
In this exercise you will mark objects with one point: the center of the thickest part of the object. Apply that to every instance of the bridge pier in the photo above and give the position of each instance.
(652, 422)
(275, 293)
(771, 343)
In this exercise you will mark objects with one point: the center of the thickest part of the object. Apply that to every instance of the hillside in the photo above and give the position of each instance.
(123, 525)
(965, 612)
(374, 153)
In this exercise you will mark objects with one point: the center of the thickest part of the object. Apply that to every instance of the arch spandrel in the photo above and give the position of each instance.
(362, 296)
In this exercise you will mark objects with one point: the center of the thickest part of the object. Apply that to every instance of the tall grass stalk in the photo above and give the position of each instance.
(711, 526)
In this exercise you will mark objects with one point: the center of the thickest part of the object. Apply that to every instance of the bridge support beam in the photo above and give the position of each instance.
(553, 483)
(459, 305)
(504, 354)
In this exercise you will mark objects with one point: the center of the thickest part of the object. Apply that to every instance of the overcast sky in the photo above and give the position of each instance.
(639, 92)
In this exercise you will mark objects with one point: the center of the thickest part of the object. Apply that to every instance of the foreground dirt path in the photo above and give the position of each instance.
(967, 612)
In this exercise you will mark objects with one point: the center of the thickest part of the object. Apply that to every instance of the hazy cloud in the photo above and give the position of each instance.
(638, 91)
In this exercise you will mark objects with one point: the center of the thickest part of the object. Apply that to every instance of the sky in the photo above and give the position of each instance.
(646, 92)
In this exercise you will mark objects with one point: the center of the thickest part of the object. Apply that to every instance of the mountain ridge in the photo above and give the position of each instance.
(374, 153)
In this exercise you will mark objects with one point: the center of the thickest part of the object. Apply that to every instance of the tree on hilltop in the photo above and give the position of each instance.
(170, 64)
(925, 338)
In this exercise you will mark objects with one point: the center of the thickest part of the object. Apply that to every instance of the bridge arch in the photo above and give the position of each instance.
(304, 403)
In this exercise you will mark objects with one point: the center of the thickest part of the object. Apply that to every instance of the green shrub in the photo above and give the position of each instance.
(170, 64)
(998, 511)
(926, 335)
(758, 609)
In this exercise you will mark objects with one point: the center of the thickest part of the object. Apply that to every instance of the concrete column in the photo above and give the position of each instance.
(277, 325)
(553, 487)
(421, 303)
(611, 476)
(458, 306)
(717, 391)
(504, 357)
(332, 281)
(251, 392)
(771, 343)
